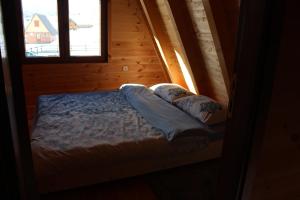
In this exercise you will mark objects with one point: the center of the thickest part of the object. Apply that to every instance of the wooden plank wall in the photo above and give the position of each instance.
(130, 44)
(216, 74)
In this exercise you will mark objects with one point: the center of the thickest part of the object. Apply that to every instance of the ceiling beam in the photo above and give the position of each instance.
(162, 41)
(223, 19)
(183, 22)
(225, 69)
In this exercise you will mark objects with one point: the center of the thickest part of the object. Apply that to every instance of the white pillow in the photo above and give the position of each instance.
(170, 91)
(203, 108)
(131, 84)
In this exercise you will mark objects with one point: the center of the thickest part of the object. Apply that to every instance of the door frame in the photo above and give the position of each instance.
(258, 41)
(250, 94)
(9, 182)
(17, 124)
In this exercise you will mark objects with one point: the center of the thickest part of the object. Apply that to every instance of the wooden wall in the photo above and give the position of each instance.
(130, 44)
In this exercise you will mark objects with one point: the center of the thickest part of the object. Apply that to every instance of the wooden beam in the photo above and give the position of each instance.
(226, 70)
(162, 41)
(223, 15)
(183, 22)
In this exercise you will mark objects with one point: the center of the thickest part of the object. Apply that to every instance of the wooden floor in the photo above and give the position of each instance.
(133, 189)
(196, 181)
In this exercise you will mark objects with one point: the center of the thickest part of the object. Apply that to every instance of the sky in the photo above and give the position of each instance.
(84, 11)
(42, 6)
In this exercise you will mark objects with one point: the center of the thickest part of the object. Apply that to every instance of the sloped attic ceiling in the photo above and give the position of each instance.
(187, 30)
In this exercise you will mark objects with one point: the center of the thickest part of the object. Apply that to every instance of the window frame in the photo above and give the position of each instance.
(64, 37)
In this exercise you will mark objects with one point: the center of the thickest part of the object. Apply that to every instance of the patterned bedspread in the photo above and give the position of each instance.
(85, 120)
(88, 138)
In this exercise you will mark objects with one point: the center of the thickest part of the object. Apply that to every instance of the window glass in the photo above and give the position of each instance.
(84, 26)
(40, 28)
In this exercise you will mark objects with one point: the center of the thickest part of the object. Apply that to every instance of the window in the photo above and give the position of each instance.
(64, 30)
(36, 23)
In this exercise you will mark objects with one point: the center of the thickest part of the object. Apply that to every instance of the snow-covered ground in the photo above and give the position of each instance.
(84, 42)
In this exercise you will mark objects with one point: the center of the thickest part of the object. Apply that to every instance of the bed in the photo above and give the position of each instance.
(88, 138)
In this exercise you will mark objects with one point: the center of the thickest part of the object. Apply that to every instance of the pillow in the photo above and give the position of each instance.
(170, 91)
(202, 108)
(131, 84)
